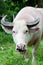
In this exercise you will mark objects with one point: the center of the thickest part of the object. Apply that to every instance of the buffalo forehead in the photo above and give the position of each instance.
(20, 25)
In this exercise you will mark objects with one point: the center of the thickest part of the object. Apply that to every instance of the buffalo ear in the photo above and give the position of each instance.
(7, 29)
(7, 26)
(33, 30)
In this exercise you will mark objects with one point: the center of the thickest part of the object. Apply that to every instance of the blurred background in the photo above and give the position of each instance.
(8, 55)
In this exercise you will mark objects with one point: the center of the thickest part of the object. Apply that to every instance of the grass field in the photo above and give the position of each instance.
(9, 56)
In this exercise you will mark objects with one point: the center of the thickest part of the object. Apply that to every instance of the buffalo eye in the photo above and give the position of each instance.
(13, 31)
(26, 31)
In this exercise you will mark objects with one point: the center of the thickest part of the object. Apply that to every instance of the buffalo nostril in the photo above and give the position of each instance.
(19, 49)
(18, 46)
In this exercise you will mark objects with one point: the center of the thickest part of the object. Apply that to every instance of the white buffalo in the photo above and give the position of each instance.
(26, 29)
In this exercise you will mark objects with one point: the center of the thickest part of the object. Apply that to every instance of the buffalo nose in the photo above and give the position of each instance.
(21, 49)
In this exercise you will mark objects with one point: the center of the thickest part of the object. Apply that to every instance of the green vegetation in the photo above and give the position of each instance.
(9, 56)
(2, 7)
(12, 7)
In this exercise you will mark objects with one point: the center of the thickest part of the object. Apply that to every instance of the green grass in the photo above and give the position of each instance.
(9, 56)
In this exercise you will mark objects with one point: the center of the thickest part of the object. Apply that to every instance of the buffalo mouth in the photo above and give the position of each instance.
(21, 51)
